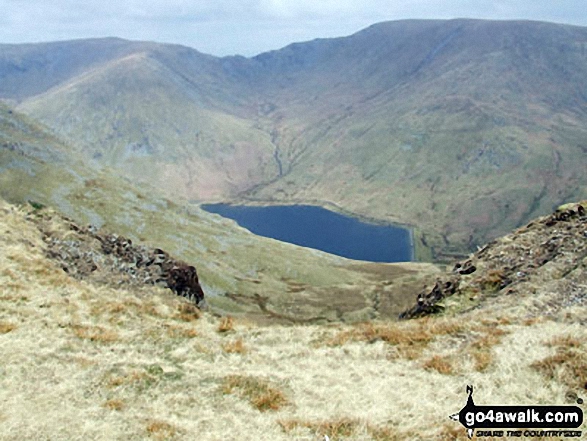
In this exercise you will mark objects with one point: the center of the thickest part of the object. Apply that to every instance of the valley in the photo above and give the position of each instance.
(469, 133)
(438, 125)
(242, 274)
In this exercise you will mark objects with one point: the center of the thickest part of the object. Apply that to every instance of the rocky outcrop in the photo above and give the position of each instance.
(87, 253)
(549, 248)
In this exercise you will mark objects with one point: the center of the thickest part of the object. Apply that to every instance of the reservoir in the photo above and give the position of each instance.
(324, 230)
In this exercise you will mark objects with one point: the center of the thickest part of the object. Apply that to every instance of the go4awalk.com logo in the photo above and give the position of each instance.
(505, 421)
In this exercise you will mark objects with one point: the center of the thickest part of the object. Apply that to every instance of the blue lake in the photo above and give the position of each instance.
(324, 230)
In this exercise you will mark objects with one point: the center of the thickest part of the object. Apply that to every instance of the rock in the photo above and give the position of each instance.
(87, 253)
(547, 248)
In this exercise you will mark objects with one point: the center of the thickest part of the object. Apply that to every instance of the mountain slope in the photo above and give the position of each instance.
(140, 363)
(240, 273)
(149, 121)
(29, 69)
(546, 258)
(462, 128)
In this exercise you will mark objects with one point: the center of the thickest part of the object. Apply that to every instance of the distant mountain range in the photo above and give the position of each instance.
(463, 129)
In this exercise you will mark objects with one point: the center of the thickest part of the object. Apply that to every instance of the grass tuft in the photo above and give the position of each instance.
(226, 324)
(259, 392)
(492, 281)
(235, 347)
(342, 428)
(187, 312)
(568, 365)
(439, 364)
(481, 349)
(95, 333)
(410, 338)
(160, 430)
(180, 331)
(114, 404)
(5, 328)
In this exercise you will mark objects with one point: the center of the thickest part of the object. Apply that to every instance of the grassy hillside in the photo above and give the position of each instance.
(150, 124)
(240, 272)
(464, 129)
(81, 359)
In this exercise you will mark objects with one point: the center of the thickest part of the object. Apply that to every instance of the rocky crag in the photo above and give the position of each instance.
(85, 252)
(546, 260)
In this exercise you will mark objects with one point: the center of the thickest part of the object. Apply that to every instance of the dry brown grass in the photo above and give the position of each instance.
(409, 338)
(160, 430)
(259, 392)
(481, 349)
(492, 280)
(235, 347)
(568, 365)
(226, 324)
(343, 428)
(441, 364)
(139, 364)
(6, 327)
(132, 378)
(175, 331)
(114, 404)
(96, 334)
(453, 432)
(187, 312)
(532, 321)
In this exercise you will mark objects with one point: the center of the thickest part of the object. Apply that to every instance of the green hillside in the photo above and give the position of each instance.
(463, 129)
(241, 273)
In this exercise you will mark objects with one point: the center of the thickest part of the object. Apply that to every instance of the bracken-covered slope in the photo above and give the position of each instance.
(131, 362)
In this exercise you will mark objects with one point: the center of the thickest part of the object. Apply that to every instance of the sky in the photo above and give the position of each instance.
(249, 27)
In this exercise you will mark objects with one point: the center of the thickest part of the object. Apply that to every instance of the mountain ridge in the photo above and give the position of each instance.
(427, 118)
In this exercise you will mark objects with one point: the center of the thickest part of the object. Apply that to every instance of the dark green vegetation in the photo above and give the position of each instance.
(462, 128)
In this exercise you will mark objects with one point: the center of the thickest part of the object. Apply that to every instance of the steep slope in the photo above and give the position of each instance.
(153, 125)
(462, 128)
(240, 273)
(538, 270)
(143, 107)
(29, 69)
(130, 363)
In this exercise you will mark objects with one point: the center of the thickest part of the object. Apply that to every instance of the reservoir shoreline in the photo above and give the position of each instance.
(363, 229)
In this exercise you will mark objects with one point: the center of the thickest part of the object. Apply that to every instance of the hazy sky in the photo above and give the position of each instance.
(248, 27)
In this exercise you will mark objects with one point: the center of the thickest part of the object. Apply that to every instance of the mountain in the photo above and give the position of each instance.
(463, 129)
(149, 108)
(240, 273)
(127, 361)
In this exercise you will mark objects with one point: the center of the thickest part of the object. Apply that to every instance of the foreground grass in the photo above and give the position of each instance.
(79, 361)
